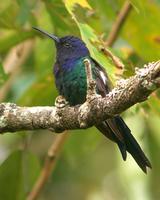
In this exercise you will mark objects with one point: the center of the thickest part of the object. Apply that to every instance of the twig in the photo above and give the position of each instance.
(118, 63)
(91, 94)
(118, 23)
(91, 84)
(122, 16)
(49, 165)
(127, 93)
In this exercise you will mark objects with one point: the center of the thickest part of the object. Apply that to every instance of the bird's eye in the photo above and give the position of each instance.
(67, 45)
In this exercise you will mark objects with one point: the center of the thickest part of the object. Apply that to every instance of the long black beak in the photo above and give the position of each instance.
(55, 38)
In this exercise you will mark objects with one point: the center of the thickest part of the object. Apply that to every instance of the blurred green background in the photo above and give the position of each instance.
(90, 167)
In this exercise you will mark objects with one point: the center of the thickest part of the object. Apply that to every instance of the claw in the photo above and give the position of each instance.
(61, 102)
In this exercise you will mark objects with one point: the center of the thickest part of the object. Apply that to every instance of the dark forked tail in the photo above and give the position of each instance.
(116, 130)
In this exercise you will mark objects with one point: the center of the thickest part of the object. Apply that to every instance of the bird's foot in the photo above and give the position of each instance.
(61, 102)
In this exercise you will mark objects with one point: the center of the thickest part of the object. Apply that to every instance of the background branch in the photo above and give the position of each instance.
(49, 165)
(13, 62)
(125, 10)
(117, 25)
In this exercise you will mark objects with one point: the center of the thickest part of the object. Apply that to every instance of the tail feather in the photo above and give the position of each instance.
(128, 143)
(132, 146)
(122, 148)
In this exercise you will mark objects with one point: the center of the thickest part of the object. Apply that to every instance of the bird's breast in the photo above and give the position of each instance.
(71, 82)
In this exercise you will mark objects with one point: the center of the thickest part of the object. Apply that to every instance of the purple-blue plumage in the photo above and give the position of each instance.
(69, 49)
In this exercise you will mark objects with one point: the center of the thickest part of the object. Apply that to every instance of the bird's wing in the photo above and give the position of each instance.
(115, 128)
(102, 80)
(103, 85)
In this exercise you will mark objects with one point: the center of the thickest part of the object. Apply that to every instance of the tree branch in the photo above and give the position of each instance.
(49, 165)
(116, 61)
(126, 93)
(12, 64)
(118, 23)
(121, 17)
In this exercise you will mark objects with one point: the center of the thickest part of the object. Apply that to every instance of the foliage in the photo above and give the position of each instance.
(90, 166)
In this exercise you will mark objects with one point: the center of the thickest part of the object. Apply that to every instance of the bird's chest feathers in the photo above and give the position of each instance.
(71, 81)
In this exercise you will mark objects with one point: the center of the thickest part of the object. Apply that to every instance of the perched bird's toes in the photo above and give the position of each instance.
(61, 102)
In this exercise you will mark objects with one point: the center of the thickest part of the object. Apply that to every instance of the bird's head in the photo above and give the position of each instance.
(68, 47)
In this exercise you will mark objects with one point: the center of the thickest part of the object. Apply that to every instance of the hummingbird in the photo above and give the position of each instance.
(71, 82)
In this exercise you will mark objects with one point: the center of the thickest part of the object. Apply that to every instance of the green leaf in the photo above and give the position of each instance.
(11, 179)
(8, 15)
(25, 11)
(58, 14)
(17, 175)
(16, 15)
